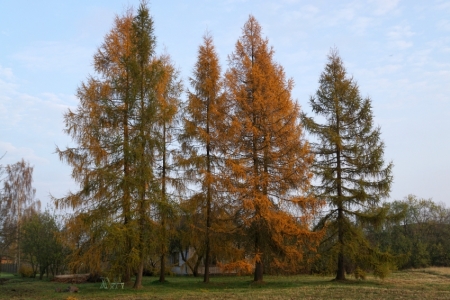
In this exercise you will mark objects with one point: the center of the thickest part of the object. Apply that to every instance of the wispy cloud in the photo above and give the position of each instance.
(303, 13)
(383, 7)
(400, 32)
(443, 25)
(6, 88)
(362, 24)
(54, 56)
(388, 69)
(291, 1)
(13, 154)
(400, 35)
(30, 127)
(21, 112)
(443, 5)
(420, 58)
(6, 73)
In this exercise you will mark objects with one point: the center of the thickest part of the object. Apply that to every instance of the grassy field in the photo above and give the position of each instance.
(430, 283)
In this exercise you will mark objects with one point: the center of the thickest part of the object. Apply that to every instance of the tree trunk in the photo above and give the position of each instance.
(208, 225)
(258, 277)
(126, 191)
(197, 264)
(208, 199)
(162, 273)
(41, 273)
(138, 281)
(206, 273)
(340, 275)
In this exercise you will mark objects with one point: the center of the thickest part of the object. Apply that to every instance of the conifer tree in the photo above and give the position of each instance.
(101, 161)
(113, 127)
(168, 90)
(349, 165)
(202, 136)
(268, 161)
(144, 142)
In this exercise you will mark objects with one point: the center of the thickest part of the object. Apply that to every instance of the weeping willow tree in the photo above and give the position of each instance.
(350, 170)
(114, 129)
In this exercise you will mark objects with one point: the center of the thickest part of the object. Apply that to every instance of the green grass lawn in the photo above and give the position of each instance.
(432, 283)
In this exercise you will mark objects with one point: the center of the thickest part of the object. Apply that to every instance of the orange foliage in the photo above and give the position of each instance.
(268, 161)
(241, 267)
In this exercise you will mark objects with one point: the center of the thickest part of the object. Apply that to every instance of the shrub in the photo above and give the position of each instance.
(359, 273)
(26, 271)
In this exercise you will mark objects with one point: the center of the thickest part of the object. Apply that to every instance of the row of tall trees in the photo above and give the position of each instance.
(228, 172)
(230, 168)
(418, 237)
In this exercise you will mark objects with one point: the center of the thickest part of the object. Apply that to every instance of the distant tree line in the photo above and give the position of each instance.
(228, 172)
(419, 236)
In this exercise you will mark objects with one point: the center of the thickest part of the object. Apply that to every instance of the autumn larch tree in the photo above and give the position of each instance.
(268, 161)
(167, 92)
(201, 139)
(101, 161)
(349, 165)
(113, 128)
(147, 73)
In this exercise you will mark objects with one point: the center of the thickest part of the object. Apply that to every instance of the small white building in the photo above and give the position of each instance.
(180, 267)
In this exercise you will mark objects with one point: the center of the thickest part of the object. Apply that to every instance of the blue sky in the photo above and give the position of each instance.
(397, 51)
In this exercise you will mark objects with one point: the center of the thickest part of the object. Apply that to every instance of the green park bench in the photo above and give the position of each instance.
(107, 284)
